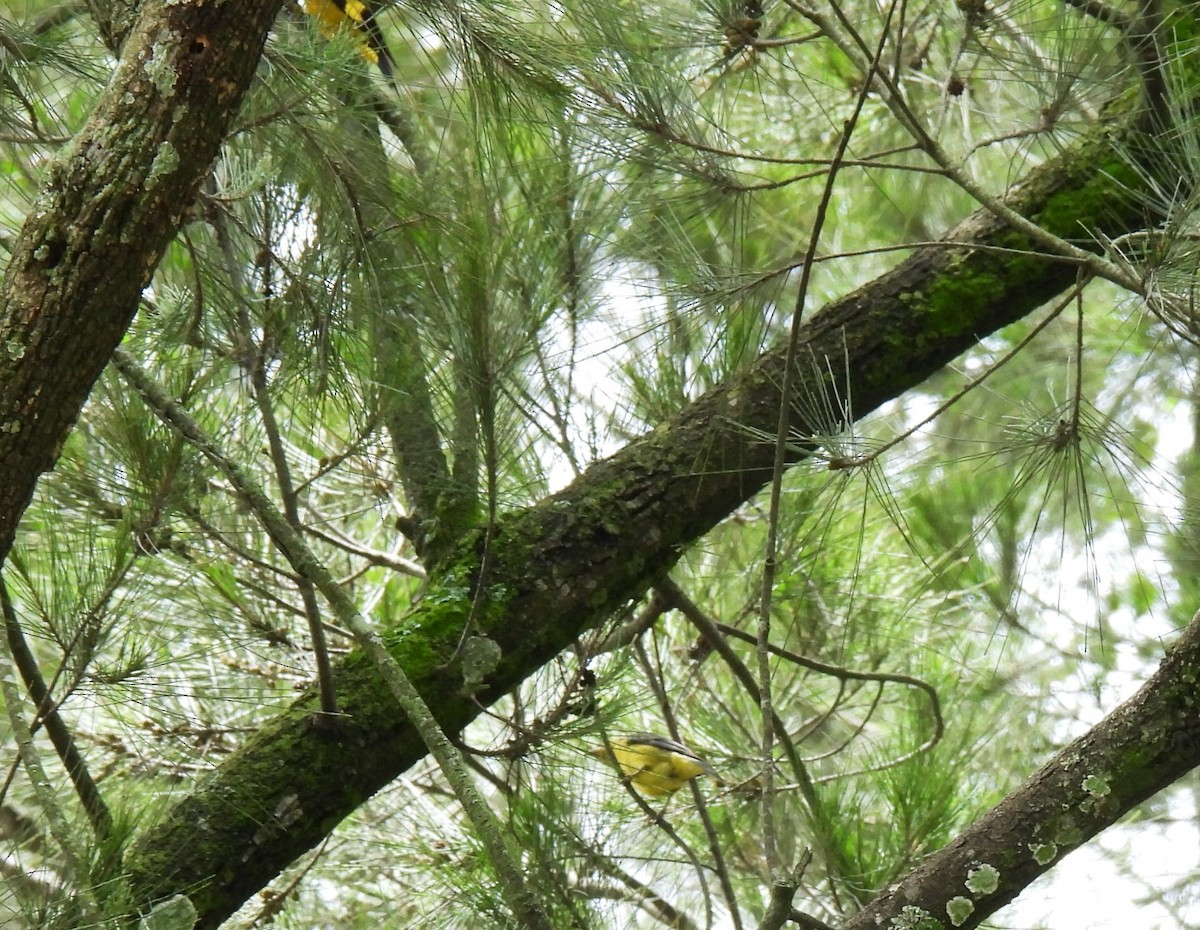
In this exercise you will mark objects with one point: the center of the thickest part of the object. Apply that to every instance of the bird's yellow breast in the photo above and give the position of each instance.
(653, 769)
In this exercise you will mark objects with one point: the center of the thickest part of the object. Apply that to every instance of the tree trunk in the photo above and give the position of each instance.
(110, 205)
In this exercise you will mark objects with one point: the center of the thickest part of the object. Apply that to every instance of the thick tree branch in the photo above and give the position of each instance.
(1145, 744)
(559, 568)
(109, 206)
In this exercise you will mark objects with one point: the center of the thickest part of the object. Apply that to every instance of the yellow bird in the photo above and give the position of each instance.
(332, 15)
(654, 764)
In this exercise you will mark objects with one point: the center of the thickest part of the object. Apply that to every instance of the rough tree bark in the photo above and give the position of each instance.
(110, 204)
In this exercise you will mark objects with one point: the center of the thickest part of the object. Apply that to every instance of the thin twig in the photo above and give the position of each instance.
(254, 360)
(654, 677)
(390, 560)
(517, 893)
(780, 465)
(711, 631)
(891, 95)
(47, 714)
(74, 855)
(846, 674)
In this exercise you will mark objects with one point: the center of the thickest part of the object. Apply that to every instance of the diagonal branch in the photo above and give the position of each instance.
(306, 564)
(561, 567)
(1145, 744)
(46, 713)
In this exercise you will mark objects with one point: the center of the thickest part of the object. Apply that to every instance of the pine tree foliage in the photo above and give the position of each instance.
(410, 308)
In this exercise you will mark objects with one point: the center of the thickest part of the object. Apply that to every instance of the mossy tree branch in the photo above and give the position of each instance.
(1144, 745)
(561, 567)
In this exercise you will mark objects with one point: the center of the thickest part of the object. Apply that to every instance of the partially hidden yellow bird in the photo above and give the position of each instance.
(655, 765)
(332, 15)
